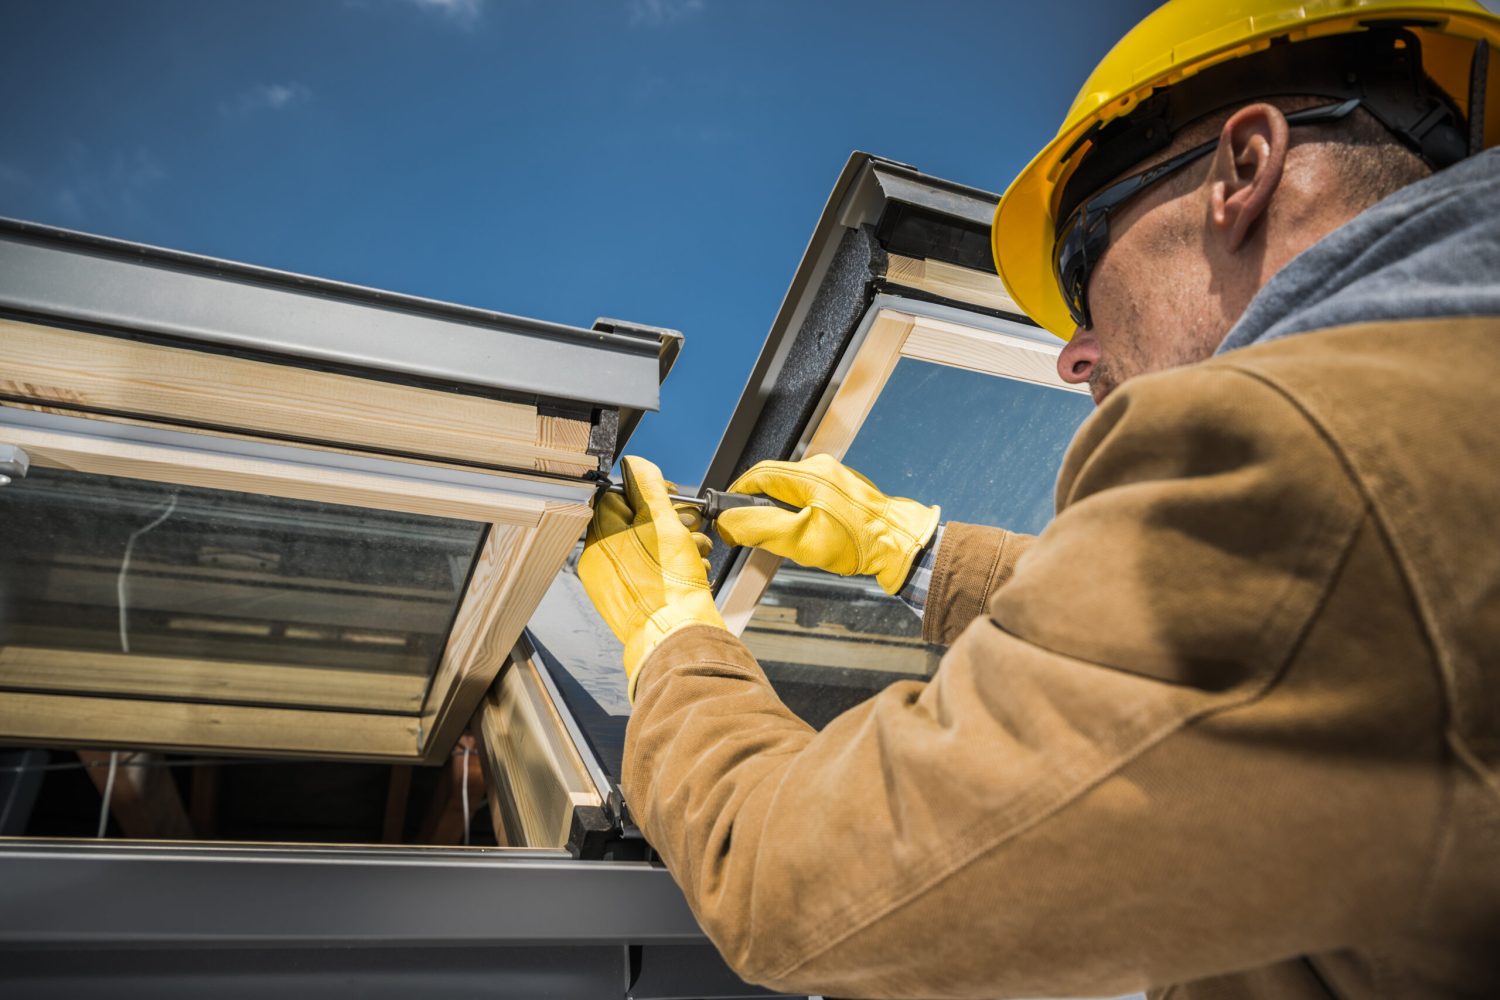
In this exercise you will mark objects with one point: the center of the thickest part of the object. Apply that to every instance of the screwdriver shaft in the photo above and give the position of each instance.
(674, 497)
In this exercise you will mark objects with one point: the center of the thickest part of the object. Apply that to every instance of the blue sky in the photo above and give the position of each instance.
(662, 161)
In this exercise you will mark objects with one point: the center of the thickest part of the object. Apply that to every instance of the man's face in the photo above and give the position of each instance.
(1152, 299)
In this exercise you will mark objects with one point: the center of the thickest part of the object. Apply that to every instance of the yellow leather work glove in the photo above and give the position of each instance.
(643, 566)
(846, 525)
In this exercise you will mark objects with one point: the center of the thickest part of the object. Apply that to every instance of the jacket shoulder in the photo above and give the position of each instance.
(1410, 409)
(1201, 519)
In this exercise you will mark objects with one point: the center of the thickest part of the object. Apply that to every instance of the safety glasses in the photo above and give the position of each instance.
(1084, 234)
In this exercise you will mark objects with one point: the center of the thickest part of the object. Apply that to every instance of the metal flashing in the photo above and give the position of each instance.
(115, 285)
(929, 217)
(189, 920)
(907, 185)
(671, 349)
(306, 894)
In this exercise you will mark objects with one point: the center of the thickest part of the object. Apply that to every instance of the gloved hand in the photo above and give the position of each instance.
(643, 566)
(846, 525)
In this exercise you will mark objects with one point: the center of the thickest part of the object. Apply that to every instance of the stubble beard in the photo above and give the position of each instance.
(1110, 373)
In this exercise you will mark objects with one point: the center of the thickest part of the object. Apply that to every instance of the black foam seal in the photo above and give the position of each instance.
(835, 313)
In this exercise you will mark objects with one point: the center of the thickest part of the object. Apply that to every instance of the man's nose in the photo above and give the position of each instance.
(1076, 362)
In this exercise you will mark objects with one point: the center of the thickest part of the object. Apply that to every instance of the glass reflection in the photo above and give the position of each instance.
(101, 564)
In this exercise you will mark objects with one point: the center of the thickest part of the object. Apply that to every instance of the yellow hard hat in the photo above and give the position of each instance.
(1182, 39)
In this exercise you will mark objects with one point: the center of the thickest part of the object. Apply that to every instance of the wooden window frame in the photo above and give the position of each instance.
(530, 531)
(536, 775)
(895, 330)
(125, 379)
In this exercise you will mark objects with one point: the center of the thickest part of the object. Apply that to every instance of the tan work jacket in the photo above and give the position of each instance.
(1232, 721)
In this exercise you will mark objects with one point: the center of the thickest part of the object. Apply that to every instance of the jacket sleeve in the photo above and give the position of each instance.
(1161, 755)
(972, 561)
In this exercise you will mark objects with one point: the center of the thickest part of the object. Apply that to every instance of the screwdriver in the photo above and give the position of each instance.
(714, 502)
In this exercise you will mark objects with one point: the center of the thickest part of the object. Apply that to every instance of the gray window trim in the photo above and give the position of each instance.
(114, 285)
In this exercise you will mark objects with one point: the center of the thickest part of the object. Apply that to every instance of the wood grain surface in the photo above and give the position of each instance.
(986, 351)
(134, 378)
(79, 720)
(504, 590)
(274, 478)
(962, 284)
(535, 772)
(74, 671)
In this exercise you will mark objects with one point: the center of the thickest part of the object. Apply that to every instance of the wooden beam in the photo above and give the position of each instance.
(137, 378)
(962, 284)
(985, 351)
(559, 434)
(577, 466)
(446, 819)
(273, 477)
(536, 777)
(393, 831)
(74, 720)
(504, 590)
(144, 799)
(32, 668)
(492, 797)
(288, 599)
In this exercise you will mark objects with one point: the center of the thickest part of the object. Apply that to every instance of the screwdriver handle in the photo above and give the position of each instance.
(715, 502)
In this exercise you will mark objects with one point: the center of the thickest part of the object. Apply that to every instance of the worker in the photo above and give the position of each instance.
(1230, 725)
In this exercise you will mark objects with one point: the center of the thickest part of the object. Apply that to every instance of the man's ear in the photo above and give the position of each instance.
(1247, 169)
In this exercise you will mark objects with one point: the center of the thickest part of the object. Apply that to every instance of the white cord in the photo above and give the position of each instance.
(109, 791)
(122, 599)
(465, 795)
(120, 593)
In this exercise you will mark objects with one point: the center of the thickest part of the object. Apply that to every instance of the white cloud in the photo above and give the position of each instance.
(266, 97)
(654, 13)
(464, 13)
(279, 95)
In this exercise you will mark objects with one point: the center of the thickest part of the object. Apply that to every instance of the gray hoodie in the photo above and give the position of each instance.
(1430, 250)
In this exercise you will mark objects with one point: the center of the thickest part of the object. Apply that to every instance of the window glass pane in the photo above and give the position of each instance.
(987, 449)
(185, 593)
